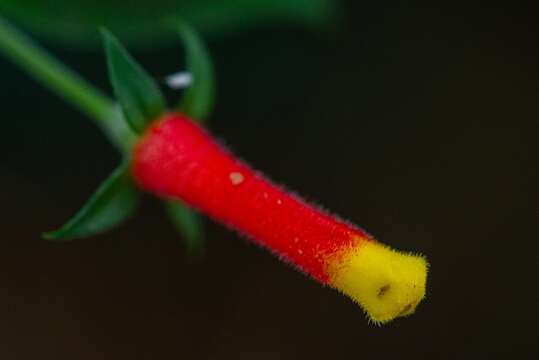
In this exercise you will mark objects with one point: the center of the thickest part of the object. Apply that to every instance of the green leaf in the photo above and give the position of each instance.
(198, 99)
(140, 22)
(138, 94)
(112, 203)
(188, 224)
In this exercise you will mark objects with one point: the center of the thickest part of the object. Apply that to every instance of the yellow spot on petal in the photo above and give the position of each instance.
(385, 282)
(236, 178)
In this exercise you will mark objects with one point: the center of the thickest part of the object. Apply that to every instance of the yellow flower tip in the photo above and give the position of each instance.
(386, 283)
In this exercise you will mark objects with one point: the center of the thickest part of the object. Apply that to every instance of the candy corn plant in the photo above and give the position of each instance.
(167, 152)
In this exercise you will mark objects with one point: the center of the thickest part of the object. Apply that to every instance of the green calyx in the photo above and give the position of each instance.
(139, 103)
(198, 99)
(137, 93)
(113, 202)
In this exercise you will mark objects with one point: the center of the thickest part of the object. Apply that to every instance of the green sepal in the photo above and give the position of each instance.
(189, 225)
(139, 96)
(198, 99)
(112, 203)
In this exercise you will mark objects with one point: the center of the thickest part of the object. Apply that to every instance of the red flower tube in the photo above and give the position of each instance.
(176, 158)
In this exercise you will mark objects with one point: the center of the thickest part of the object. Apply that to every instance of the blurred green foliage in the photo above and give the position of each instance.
(144, 22)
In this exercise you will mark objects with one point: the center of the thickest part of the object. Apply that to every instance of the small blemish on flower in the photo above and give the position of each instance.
(383, 290)
(279, 201)
(236, 178)
(405, 309)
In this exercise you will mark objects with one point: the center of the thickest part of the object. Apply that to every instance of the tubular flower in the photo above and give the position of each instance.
(176, 158)
(168, 154)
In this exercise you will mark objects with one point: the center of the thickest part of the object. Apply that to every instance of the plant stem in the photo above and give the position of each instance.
(51, 73)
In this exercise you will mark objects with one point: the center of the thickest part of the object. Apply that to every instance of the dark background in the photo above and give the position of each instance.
(419, 124)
